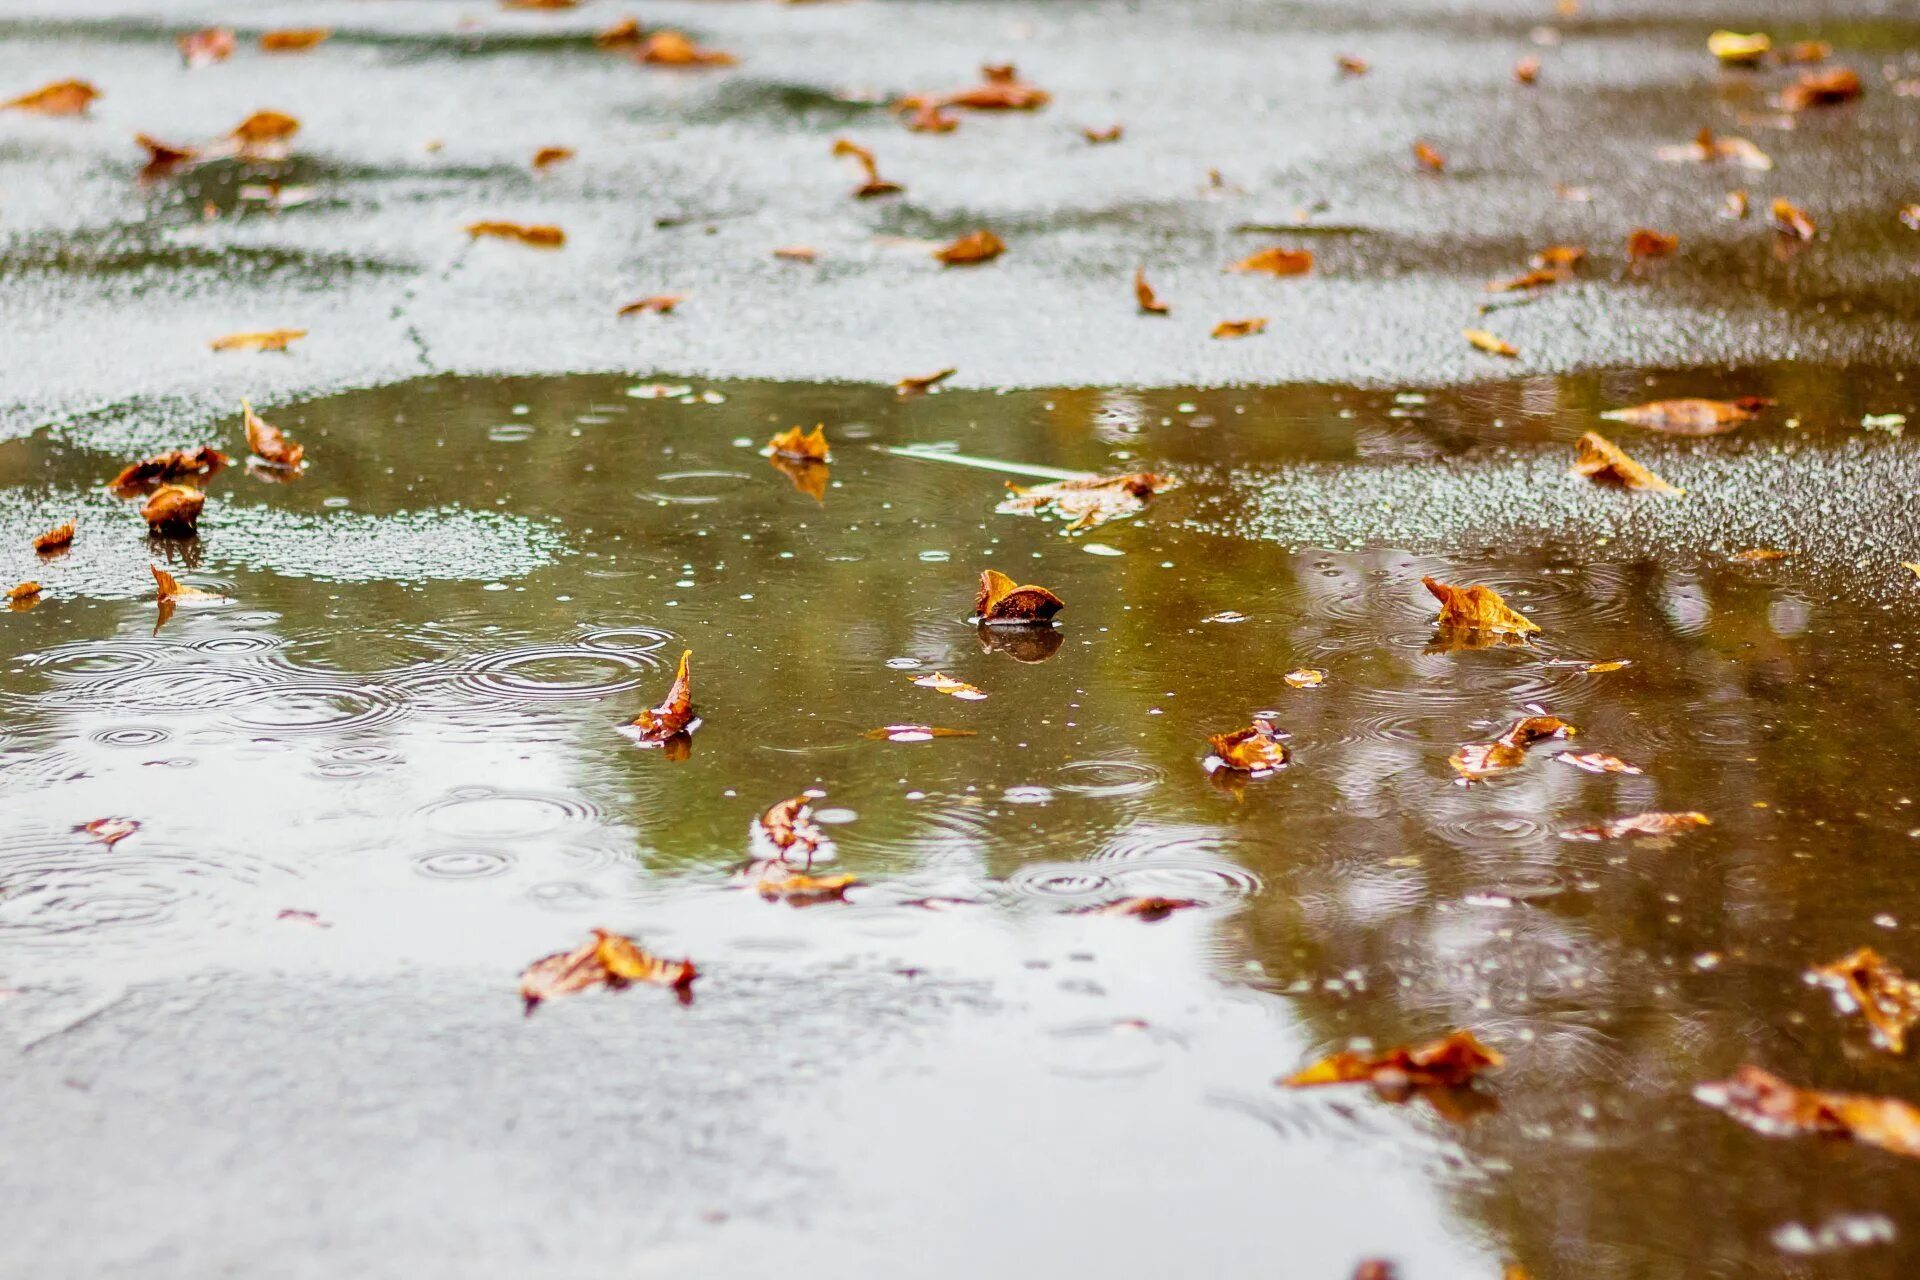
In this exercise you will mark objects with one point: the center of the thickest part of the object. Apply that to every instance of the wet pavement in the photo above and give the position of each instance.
(380, 772)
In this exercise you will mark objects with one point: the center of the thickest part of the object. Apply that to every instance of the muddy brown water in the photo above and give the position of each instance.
(403, 720)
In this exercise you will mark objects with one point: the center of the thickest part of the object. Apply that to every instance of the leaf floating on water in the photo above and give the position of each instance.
(538, 236)
(61, 98)
(675, 49)
(875, 185)
(1375, 1269)
(1487, 342)
(1691, 417)
(1477, 761)
(1149, 909)
(1306, 678)
(1601, 668)
(109, 831)
(1089, 503)
(1641, 824)
(174, 510)
(1604, 462)
(1098, 137)
(910, 387)
(1645, 243)
(917, 733)
(658, 304)
(177, 464)
(1597, 761)
(1476, 608)
(269, 443)
(23, 592)
(1737, 50)
(56, 539)
(1428, 158)
(539, 4)
(263, 340)
(1240, 328)
(1144, 295)
(1910, 217)
(1707, 149)
(1767, 1104)
(1538, 278)
(1864, 983)
(1790, 221)
(610, 960)
(168, 590)
(294, 39)
(1758, 555)
(974, 247)
(1821, 89)
(206, 47)
(264, 136)
(940, 682)
(1276, 262)
(1259, 749)
(798, 445)
(1000, 602)
(162, 157)
(547, 157)
(1449, 1063)
(788, 829)
(801, 890)
(673, 718)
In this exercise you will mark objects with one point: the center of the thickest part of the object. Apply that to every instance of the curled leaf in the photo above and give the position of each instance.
(1476, 608)
(623, 34)
(1864, 983)
(1240, 328)
(1306, 678)
(1640, 824)
(58, 538)
(61, 98)
(1692, 417)
(799, 445)
(263, 340)
(1428, 158)
(608, 959)
(659, 304)
(538, 236)
(162, 157)
(1821, 89)
(1737, 50)
(109, 831)
(1089, 503)
(174, 510)
(1489, 343)
(1002, 603)
(910, 387)
(294, 39)
(1277, 262)
(940, 682)
(1143, 294)
(167, 588)
(1451, 1062)
(1789, 220)
(269, 443)
(1644, 243)
(1604, 462)
(1259, 749)
(176, 464)
(874, 185)
(801, 890)
(657, 726)
(1477, 761)
(24, 591)
(1096, 137)
(975, 246)
(206, 47)
(1767, 1104)
(1597, 761)
(788, 829)
(675, 49)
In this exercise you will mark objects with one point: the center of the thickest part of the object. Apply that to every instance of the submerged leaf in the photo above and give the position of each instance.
(657, 726)
(1277, 262)
(1240, 328)
(1604, 462)
(1864, 983)
(1767, 1104)
(910, 387)
(940, 682)
(1477, 761)
(798, 445)
(269, 443)
(1002, 603)
(975, 246)
(1640, 824)
(1259, 749)
(608, 959)
(1489, 343)
(61, 98)
(1088, 503)
(1450, 1062)
(1691, 417)
(176, 464)
(1144, 295)
(538, 236)
(58, 538)
(1476, 608)
(262, 340)
(173, 510)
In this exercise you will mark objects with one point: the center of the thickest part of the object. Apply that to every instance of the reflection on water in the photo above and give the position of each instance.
(410, 709)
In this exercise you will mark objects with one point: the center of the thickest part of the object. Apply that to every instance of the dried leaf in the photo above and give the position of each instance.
(1149, 909)
(269, 443)
(1821, 89)
(788, 829)
(1597, 761)
(1240, 328)
(1428, 158)
(875, 185)
(1864, 983)
(1150, 304)
(177, 464)
(162, 157)
(264, 135)
(1306, 678)
(674, 49)
(1645, 243)
(975, 246)
(917, 733)
(1480, 760)
(622, 34)
(797, 252)
(1559, 255)
(174, 510)
(1602, 668)
(1451, 1062)
(24, 591)
(1641, 824)
(1767, 1104)
(928, 117)
(658, 303)
(1604, 462)
(1527, 70)
(1789, 220)
(109, 831)
(1377, 1269)
(940, 682)
(801, 890)
(538, 236)
(1259, 749)
(58, 538)
(1476, 608)
(1277, 262)
(1351, 66)
(264, 340)
(294, 39)
(539, 4)
(547, 157)
(1538, 278)
(910, 387)
(1088, 503)
(1707, 149)
(673, 717)
(1001, 603)
(1489, 343)
(167, 588)
(608, 959)
(1734, 206)
(61, 98)
(206, 47)
(1112, 133)
(798, 445)
(1001, 90)
(1736, 50)
(1692, 417)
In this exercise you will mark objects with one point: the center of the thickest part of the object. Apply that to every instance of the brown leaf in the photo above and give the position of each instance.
(1000, 603)
(1821, 89)
(167, 588)
(1789, 220)
(1707, 149)
(658, 303)
(1240, 328)
(1306, 678)
(928, 117)
(109, 831)
(797, 252)
(607, 959)
(1604, 462)
(539, 236)
(799, 445)
(264, 135)
(58, 538)
(61, 98)
(1451, 1062)
(264, 340)
(1597, 761)
(1641, 824)
(206, 47)
(1476, 608)
(1428, 158)
(1259, 749)
(539, 4)
(1910, 217)
(1477, 761)
(1088, 503)
(673, 717)
(1737, 50)
(940, 682)
(1376, 1269)
(1489, 343)
(1001, 90)
(1559, 255)
(1734, 206)
(1277, 262)
(1758, 555)
(1149, 908)
(673, 49)
(268, 442)
(25, 591)
(1149, 303)
(1645, 243)
(802, 890)
(162, 157)
(910, 387)
(174, 510)
(622, 34)
(1864, 983)
(1112, 133)
(1527, 70)
(917, 733)
(874, 185)
(975, 246)
(1767, 1104)
(788, 829)
(294, 39)
(547, 157)
(177, 464)
(1351, 66)
(1691, 417)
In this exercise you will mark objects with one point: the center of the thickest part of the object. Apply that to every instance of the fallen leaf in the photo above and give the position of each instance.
(1527, 70)
(1375, 1269)
(875, 185)
(162, 157)
(801, 890)
(626, 32)
(788, 829)
(1476, 608)
(539, 236)
(1572, 194)
(1737, 50)
(799, 445)
(264, 340)
(658, 304)
(1805, 51)
(206, 47)
(1767, 1104)
(61, 98)
(975, 246)
(299, 916)
(547, 157)
(58, 538)
(674, 49)
(1451, 1062)
(1306, 678)
(910, 387)
(1143, 908)
(1758, 555)
(1088, 503)
(1477, 761)
(1789, 220)
(1150, 304)
(1641, 824)
(25, 591)
(167, 588)
(1351, 66)
(177, 464)
(1604, 462)
(1259, 749)
(174, 510)
(928, 117)
(1559, 255)
(608, 959)
(109, 831)
(1707, 149)
(1001, 603)
(1821, 89)
(1277, 262)
(1428, 158)
(1910, 217)
(1597, 761)
(673, 717)
(1734, 206)
(1001, 89)
(917, 733)
(1864, 983)
(1112, 133)
(294, 39)
(1240, 328)
(940, 682)
(1487, 342)
(1602, 668)
(1912, 566)
(1692, 417)
(797, 252)
(264, 135)
(539, 4)
(1538, 278)
(1645, 243)
(268, 442)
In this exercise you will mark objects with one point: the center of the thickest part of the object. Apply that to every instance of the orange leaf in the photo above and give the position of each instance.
(1910, 217)
(1000, 603)
(539, 236)
(940, 682)
(623, 33)
(268, 443)
(1147, 908)
(264, 340)
(177, 464)
(167, 588)
(1864, 983)
(1143, 294)
(1559, 255)
(674, 717)
(1350, 66)
(204, 48)
(162, 156)
(61, 98)
(1277, 262)
(1476, 608)
(875, 185)
(58, 538)
(658, 304)
(1691, 417)
(1240, 328)
(673, 49)
(1538, 278)
(1001, 90)
(1706, 149)
(1647, 243)
(264, 135)
(910, 387)
(1259, 749)
(1641, 824)
(608, 959)
(1477, 761)
(1306, 678)
(294, 39)
(109, 831)
(797, 252)
(1764, 1102)
(789, 830)
(1822, 89)
(1601, 460)
(1758, 555)
(975, 246)
(1429, 158)
(927, 117)
(801, 890)
(1086, 503)
(804, 446)
(1527, 70)
(25, 591)
(174, 510)
(1451, 1062)
(1789, 220)
(1487, 342)
(1112, 133)
(1737, 50)
(547, 157)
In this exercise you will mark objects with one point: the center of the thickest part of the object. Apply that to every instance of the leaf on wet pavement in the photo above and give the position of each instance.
(1086, 503)
(1597, 761)
(1864, 983)
(797, 889)
(874, 185)
(205, 47)
(56, 539)
(676, 49)
(1601, 460)
(1790, 220)
(673, 718)
(61, 98)
(1640, 824)
(269, 444)
(1490, 343)
(176, 464)
(1737, 50)
(1602, 668)
(294, 39)
(1276, 261)
(1691, 417)
(259, 340)
(109, 831)
(1538, 278)
(910, 387)
(1453, 1061)
(1427, 158)
(1644, 243)
(173, 510)
(1476, 608)
(1000, 602)
(1477, 761)
(1143, 295)
(1306, 678)
(1240, 328)
(534, 235)
(796, 253)
(1259, 749)
(974, 247)
(788, 833)
(1768, 1104)
(658, 304)
(1707, 148)
(547, 157)
(799, 445)
(940, 682)
(1821, 89)
(607, 959)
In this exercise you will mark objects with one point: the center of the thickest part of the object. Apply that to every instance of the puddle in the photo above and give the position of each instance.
(405, 717)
